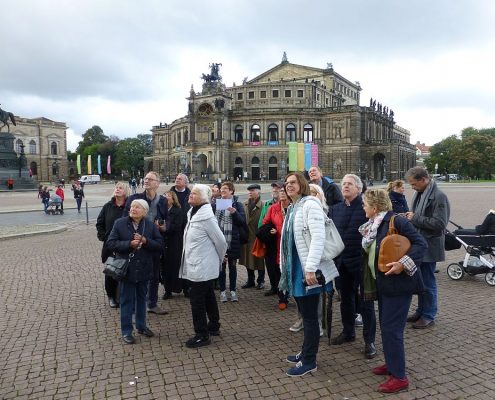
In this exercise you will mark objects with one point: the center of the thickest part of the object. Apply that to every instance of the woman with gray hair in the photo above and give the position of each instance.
(138, 240)
(204, 250)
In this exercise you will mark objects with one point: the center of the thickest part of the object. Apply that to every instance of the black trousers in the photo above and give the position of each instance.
(204, 307)
(273, 270)
(251, 276)
(111, 286)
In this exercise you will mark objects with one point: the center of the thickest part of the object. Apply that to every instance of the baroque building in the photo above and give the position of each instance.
(245, 131)
(45, 147)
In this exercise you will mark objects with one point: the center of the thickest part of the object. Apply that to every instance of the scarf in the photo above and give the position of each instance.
(370, 228)
(420, 200)
(225, 223)
(287, 242)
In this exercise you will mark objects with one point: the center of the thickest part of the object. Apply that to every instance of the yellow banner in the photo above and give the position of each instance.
(300, 156)
(89, 164)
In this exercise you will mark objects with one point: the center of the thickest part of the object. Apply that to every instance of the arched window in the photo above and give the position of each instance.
(272, 133)
(238, 161)
(255, 160)
(255, 134)
(238, 134)
(53, 148)
(272, 160)
(308, 133)
(18, 144)
(32, 147)
(54, 168)
(290, 133)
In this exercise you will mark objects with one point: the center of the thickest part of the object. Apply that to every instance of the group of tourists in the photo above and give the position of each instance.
(190, 238)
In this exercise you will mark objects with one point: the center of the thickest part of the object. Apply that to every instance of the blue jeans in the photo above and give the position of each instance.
(79, 202)
(132, 294)
(427, 301)
(232, 275)
(393, 315)
(308, 307)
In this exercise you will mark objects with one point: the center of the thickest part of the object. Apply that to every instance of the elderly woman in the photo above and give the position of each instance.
(302, 247)
(110, 212)
(393, 289)
(137, 239)
(395, 191)
(204, 251)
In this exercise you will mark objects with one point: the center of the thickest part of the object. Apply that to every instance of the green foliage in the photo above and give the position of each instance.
(147, 141)
(129, 156)
(93, 135)
(71, 157)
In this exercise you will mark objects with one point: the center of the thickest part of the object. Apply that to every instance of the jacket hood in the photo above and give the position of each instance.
(205, 212)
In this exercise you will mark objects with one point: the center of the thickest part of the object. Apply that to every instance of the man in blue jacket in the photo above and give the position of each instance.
(332, 192)
(158, 212)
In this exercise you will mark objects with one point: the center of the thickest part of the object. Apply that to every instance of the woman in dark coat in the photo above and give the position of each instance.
(395, 191)
(173, 246)
(393, 289)
(134, 235)
(109, 213)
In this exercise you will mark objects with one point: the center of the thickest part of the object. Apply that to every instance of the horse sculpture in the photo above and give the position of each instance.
(4, 118)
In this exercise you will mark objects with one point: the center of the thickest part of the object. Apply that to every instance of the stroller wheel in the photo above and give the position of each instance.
(490, 278)
(455, 271)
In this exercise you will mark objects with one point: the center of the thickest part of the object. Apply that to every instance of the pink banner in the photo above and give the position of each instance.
(314, 154)
(109, 169)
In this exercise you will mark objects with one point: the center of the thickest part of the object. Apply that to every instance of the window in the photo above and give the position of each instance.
(290, 133)
(32, 147)
(272, 160)
(317, 97)
(275, 93)
(263, 94)
(18, 145)
(300, 93)
(308, 133)
(53, 148)
(255, 160)
(251, 95)
(272, 133)
(238, 161)
(239, 96)
(238, 131)
(255, 134)
(288, 93)
(212, 136)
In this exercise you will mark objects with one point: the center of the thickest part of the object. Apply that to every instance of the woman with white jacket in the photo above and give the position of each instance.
(301, 255)
(204, 250)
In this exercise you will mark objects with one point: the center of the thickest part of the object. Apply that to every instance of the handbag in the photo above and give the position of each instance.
(333, 245)
(259, 249)
(392, 248)
(117, 268)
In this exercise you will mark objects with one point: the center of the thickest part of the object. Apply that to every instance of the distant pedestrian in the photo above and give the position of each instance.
(78, 195)
(60, 192)
(395, 191)
(45, 197)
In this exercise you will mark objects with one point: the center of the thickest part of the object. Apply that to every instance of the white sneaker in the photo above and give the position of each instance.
(321, 330)
(223, 296)
(359, 320)
(298, 325)
(233, 296)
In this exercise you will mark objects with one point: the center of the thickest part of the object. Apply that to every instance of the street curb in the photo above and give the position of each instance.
(58, 229)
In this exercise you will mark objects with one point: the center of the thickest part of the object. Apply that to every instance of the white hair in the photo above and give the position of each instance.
(184, 176)
(204, 191)
(142, 203)
(321, 196)
(357, 180)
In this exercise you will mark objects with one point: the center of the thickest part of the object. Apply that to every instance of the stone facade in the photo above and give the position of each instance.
(244, 130)
(45, 147)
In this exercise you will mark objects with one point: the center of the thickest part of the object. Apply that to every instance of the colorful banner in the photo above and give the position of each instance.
(109, 168)
(89, 164)
(292, 156)
(99, 164)
(300, 157)
(314, 154)
(307, 156)
(78, 163)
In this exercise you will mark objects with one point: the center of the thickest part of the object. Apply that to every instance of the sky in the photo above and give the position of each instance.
(127, 65)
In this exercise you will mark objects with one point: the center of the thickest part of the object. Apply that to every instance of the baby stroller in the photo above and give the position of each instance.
(479, 258)
(54, 205)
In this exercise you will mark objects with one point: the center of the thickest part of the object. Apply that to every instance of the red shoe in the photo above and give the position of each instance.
(394, 385)
(381, 370)
(282, 306)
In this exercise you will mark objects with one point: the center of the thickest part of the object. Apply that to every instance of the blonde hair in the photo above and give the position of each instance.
(319, 195)
(378, 198)
(175, 200)
(392, 185)
(124, 186)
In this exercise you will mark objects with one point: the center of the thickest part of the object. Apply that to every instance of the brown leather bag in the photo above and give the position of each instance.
(392, 248)
(259, 249)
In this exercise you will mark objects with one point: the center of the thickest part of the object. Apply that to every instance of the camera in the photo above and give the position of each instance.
(319, 277)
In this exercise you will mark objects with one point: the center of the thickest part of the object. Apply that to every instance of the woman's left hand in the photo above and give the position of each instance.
(396, 268)
(310, 278)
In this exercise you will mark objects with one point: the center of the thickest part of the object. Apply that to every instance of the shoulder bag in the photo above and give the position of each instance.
(392, 248)
(259, 249)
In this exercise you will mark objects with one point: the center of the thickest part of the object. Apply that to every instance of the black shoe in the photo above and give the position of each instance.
(369, 351)
(271, 292)
(214, 333)
(167, 296)
(413, 317)
(146, 332)
(341, 339)
(260, 286)
(112, 303)
(248, 285)
(198, 341)
(128, 339)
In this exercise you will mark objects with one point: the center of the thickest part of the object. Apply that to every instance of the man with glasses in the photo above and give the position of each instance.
(158, 212)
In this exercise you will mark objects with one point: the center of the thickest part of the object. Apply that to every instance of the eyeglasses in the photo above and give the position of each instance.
(150, 179)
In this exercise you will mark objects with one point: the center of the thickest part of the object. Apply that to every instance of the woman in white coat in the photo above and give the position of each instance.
(204, 250)
(301, 256)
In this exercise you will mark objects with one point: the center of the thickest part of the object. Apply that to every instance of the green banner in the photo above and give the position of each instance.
(292, 156)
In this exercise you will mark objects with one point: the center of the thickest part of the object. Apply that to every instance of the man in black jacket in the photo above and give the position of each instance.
(158, 212)
(330, 189)
(348, 216)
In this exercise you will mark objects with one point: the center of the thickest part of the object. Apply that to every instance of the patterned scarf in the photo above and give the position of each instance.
(370, 228)
(285, 283)
(225, 223)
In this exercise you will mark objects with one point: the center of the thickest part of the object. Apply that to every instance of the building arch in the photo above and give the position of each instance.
(255, 169)
(273, 168)
(255, 134)
(379, 167)
(273, 133)
(290, 133)
(238, 169)
(308, 133)
(32, 147)
(18, 145)
(53, 148)
(33, 166)
(238, 134)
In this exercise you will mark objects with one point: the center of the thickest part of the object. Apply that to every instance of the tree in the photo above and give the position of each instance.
(129, 156)
(93, 135)
(147, 141)
(444, 154)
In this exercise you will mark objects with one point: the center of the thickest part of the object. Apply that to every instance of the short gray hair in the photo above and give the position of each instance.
(142, 203)
(204, 192)
(417, 173)
(357, 180)
(184, 176)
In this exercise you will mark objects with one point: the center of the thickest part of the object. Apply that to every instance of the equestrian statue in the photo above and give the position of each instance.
(4, 118)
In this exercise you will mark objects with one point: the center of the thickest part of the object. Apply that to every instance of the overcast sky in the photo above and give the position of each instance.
(127, 65)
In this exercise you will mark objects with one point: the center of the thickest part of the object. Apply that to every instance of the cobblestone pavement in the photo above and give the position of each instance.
(60, 340)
